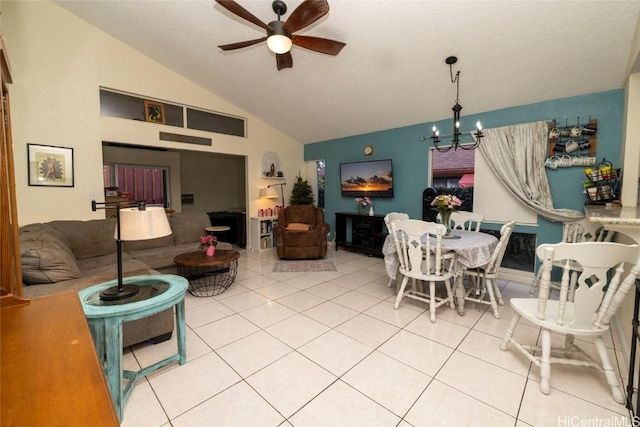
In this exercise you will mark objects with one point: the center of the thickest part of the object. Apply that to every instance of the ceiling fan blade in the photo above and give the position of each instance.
(306, 14)
(243, 13)
(330, 47)
(284, 60)
(239, 45)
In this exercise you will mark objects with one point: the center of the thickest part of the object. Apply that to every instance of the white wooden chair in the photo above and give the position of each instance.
(576, 232)
(482, 280)
(596, 301)
(388, 219)
(463, 220)
(422, 259)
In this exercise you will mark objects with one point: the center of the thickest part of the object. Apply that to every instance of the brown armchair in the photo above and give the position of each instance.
(301, 232)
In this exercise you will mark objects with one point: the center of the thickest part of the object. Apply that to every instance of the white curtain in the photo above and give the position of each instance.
(516, 154)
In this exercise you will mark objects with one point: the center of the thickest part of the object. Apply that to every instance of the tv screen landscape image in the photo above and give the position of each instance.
(372, 178)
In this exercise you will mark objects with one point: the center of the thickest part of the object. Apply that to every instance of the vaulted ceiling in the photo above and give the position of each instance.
(392, 72)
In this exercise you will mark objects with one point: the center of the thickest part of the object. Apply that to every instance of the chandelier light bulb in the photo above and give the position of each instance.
(479, 125)
(457, 125)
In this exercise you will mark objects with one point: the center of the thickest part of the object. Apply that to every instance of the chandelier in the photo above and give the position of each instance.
(455, 142)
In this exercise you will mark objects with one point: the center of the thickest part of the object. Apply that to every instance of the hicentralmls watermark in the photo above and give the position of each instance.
(614, 421)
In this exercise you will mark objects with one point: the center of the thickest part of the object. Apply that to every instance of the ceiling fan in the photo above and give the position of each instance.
(280, 35)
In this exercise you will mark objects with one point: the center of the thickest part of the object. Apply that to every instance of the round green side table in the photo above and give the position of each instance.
(157, 293)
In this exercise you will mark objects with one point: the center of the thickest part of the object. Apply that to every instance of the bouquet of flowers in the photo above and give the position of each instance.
(208, 240)
(446, 203)
(363, 201)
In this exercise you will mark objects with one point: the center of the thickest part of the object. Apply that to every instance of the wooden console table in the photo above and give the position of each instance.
(50, 371)
(367, 233)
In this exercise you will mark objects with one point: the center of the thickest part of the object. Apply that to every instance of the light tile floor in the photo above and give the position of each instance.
(328, 349)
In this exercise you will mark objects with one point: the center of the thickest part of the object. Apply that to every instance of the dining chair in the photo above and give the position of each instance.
(576, 232)
(483, 280)
(421, 258)
(463, 220)
(388, 219)
(596, 300)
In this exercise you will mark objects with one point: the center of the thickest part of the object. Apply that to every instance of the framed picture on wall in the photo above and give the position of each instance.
(50, 166)
(154, 112)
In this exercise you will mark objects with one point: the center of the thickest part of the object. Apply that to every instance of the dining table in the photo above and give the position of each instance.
(473, 250)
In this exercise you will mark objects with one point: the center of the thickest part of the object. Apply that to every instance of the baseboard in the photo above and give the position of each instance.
(518, 276)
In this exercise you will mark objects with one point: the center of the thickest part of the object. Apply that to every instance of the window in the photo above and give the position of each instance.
(467, 174)
(465, 169)
(143, 183)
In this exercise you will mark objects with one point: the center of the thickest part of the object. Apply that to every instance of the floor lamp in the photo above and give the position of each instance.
(137, 222)
(281, 190)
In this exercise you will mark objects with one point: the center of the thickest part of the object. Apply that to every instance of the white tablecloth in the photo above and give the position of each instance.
(473, 249)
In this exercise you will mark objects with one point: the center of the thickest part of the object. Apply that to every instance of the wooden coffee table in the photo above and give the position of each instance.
(208, 276)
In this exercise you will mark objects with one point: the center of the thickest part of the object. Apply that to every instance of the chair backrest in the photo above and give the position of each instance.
(596, 298)
(463, 220)
(585, 231)
(498, 253)
(412, 241)
(393, 216)
(306, 214)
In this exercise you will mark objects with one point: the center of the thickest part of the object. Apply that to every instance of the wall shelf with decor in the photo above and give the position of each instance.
(572, 145)
(270, 167)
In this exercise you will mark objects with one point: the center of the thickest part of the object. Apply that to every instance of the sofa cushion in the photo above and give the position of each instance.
(88, 238)
(139, 245)
(46, 262)
(188, 227)
(45, 233)
(89, 264)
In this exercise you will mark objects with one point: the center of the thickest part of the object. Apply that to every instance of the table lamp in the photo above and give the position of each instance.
(137, 222)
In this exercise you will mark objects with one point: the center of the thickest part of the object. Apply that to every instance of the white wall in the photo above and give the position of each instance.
(59, 62)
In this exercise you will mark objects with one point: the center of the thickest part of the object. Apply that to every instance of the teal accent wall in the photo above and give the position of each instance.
(410, 154)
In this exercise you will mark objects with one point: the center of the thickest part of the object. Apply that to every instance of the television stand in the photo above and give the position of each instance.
(367, 233)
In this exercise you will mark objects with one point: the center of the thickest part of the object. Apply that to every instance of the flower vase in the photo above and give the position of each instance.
(210, 250)
(445, 217)
(371, 211)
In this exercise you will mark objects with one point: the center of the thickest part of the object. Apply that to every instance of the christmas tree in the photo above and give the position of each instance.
(302, 193)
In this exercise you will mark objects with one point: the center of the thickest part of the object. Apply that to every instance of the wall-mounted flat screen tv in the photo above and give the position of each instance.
(372, 178)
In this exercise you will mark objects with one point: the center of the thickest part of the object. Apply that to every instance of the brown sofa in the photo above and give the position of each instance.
(72, 255)
(301, 233)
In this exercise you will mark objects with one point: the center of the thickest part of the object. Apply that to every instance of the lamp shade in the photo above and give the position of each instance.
(136, 224)
(268, 193)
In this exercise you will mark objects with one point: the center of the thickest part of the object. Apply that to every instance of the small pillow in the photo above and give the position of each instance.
(298, 226)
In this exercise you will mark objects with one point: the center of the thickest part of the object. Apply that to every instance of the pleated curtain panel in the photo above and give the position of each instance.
(516, 154)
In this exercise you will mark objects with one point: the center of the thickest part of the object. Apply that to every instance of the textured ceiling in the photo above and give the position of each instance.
(392, 72)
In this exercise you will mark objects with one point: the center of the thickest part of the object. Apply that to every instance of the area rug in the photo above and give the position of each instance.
(303, 266)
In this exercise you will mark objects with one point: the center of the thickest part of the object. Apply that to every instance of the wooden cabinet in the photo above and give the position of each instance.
(262, 233)
(50, 371)
(360, 233)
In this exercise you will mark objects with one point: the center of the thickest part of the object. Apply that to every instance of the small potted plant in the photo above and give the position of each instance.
(209, 243)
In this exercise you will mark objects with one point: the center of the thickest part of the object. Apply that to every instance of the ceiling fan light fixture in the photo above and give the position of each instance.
(278, 41)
